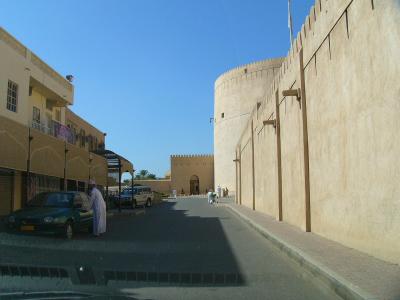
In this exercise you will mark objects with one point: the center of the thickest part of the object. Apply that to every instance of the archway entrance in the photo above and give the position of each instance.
(194, 185)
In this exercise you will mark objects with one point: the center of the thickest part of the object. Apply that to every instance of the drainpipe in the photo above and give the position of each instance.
(133, 172)
(107, 197)
(90, 167)
(279, 155)
(240, 175)
(28, 166)
(305, 143)
(252, 165)
(237, 162)
(65, 167)
(301, 97)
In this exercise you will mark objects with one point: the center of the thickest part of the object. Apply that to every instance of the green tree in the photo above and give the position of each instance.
(143, 173)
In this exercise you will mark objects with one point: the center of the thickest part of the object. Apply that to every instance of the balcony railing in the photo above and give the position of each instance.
(57, 130)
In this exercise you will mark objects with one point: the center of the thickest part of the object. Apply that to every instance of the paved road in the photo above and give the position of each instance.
(180, 249)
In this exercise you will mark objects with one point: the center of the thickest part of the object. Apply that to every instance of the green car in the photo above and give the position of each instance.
(60, 213)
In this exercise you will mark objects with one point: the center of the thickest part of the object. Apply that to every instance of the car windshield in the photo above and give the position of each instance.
(126, 192)
(51, 200)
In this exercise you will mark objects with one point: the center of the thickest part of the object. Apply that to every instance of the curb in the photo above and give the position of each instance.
(339, 285)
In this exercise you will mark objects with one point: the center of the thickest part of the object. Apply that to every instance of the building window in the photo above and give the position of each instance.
(58, 115)
(12, 96)
(222, 115)
(49, 104)
(82, 135)
(90, 141)
(36, 115)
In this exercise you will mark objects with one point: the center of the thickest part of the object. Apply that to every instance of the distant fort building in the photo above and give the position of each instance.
(189, 175)
(192, 174)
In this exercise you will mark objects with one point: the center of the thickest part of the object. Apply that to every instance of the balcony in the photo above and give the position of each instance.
(42, 77)
(55, 129)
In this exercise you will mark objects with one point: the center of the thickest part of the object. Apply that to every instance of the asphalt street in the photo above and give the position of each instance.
(180, 249)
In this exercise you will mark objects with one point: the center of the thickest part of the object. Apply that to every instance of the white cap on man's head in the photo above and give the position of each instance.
(92, 182)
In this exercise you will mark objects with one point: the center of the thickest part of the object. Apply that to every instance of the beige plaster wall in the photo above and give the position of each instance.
(98, 169)
(14, 144)
(47, 154)
(351, 66)
(159, 185)
(246, 171)
(265, 163)
(12, 66)
(354, 143)
(236, 92)
(19, 64)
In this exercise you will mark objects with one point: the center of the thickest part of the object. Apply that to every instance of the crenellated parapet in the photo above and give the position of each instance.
(191, 155)
(255, 70)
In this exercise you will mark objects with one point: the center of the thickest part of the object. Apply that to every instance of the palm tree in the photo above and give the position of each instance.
(143, 173)
(151, 176)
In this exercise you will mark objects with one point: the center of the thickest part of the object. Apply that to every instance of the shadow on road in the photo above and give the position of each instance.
(189, 245)
(176, 242)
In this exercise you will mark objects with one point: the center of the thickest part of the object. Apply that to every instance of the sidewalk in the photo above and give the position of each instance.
(352, 274)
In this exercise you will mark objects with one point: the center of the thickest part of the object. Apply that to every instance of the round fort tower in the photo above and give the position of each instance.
(236, 92)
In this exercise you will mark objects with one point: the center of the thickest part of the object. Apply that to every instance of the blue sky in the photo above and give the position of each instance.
(145, 70)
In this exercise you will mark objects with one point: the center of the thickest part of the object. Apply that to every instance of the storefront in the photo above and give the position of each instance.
(6, 191)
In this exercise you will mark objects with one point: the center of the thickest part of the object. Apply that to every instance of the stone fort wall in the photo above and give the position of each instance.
(330, 165)
(236, 92)
(183, 167)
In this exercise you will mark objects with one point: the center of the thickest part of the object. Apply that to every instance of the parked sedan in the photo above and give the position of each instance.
(54, 213)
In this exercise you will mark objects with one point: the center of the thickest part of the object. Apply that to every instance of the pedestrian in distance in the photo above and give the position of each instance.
(99, 209)
(219, 191)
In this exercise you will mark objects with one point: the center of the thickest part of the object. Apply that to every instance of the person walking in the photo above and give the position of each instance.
(219, 191)
(99, 209)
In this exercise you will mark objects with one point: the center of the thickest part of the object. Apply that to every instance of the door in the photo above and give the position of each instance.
(6, 195)
(194, 185)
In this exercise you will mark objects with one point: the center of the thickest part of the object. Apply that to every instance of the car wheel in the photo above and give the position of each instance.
(148, 202)
(68, 230)
(133, 204)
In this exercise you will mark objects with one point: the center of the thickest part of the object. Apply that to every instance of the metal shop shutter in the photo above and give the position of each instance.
(6, 188)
